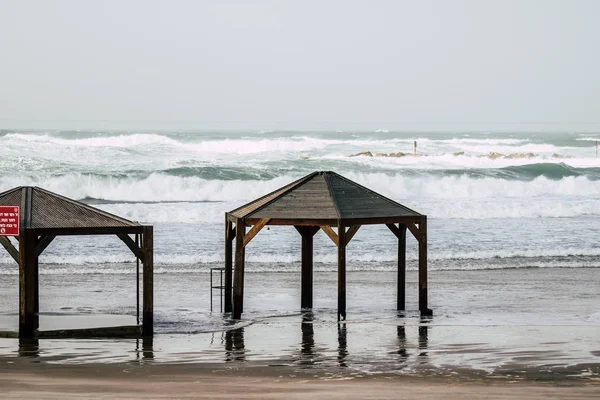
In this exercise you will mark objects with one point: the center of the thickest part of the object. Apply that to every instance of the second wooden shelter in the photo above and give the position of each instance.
(324, 201)
(43, 216)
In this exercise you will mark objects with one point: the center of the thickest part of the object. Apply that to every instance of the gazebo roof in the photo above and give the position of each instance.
(45, 211)
(324, 196)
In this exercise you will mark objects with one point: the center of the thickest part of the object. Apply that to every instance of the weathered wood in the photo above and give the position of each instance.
(43, 244)
(129, 242)
(401, 301)
(255, 229)
(36, 293)
(87, 231)
(238, 282)
(394, 230)
(307, 265)
(148, 281)
(14, 253)
(341, 272)
(351, 232)
(380, 220)
(423, 268)
(295, 221)
(126, 331)
(229, 235)
(27, 257)
(416, 232)
(332, 235)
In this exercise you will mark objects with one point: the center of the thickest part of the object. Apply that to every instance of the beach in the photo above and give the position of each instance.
(545, 349)
(513, 269)
(125, 381)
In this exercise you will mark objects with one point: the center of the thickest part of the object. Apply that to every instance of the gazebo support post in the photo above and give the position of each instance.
(341, 271)
(148, 281)
(307, 233)
(401, 302)
(425, 311)
(27, 290)
(238, 282)
(36, 294)
(229, 235)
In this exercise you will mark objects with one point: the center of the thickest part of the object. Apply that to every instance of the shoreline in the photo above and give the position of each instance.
(30, 379)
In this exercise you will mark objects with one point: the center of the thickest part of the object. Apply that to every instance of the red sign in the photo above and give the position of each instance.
(9, 220)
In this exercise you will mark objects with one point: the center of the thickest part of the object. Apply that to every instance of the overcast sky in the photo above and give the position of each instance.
(287, 64)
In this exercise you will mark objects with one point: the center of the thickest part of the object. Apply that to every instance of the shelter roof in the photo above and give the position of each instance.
(45, 210)
(327, 196)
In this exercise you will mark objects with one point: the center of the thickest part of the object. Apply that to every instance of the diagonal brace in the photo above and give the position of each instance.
(132, 246)
(43, 243)
(14, 253)
(416, 232)
(351, 232)
(332, 235)
(255, 229)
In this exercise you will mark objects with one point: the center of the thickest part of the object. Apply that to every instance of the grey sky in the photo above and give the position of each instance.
(206, 64)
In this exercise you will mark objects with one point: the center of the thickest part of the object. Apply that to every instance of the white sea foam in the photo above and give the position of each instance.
(439, 197)
(384, 258)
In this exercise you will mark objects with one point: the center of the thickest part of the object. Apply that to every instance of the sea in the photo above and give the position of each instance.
(513, 238)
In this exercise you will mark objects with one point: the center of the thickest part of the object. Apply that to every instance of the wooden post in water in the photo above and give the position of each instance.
(238, 282)
(425, 311)
(229, 233)
(401, 306)
(341, 271)
(27, 291)
(307, 233)
(148, 281)
(36, 294)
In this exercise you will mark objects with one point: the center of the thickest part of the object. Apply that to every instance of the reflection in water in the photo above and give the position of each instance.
(402, 353)
(308, 338)
(146, 350)
(423, 337)
(234, 345)
(29, 347)
(342, 345)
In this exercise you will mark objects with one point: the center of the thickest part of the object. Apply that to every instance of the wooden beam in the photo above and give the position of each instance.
(36, 293)
(341, 272)
(238, 281)
(425, 311)
(416, 232)
(43, 243)
(255, 229)
(102, 230)
(14, 253)
(132, 245)
(27, 258)
(401, 300)
(332, 235)
(394, 230)
(307, 232)
(229, 235)
(351, 232)
(148, 282)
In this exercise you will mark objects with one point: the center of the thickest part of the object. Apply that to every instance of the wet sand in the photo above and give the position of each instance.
(296, 357)
(33, 380)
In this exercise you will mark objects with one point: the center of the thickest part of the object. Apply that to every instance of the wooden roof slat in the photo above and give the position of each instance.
(327, 196)
(44, 210)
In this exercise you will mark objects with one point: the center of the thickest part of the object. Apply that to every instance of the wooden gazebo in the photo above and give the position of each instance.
(43, 215)
(322, 200)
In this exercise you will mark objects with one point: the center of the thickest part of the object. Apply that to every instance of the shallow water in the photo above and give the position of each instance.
(542, 322)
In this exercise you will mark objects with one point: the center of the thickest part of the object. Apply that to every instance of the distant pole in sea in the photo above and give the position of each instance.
(416, 147)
